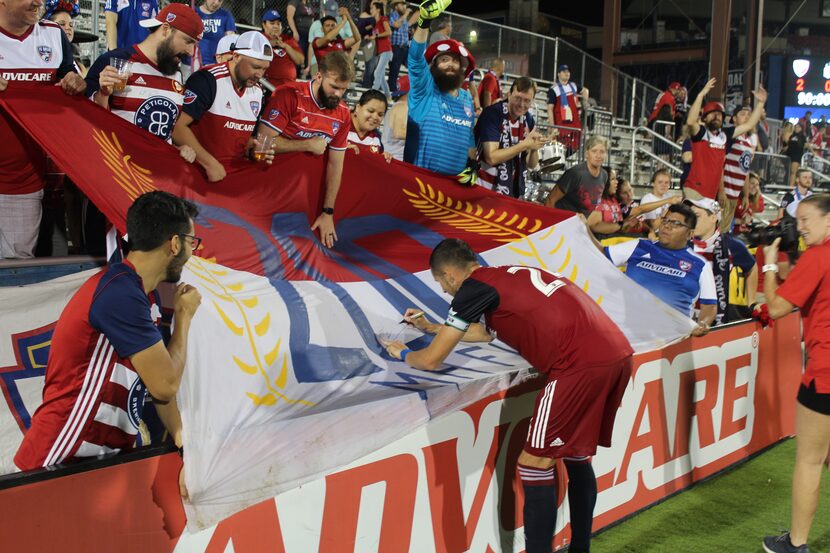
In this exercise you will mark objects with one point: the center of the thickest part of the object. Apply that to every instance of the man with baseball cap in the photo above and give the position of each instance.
(221, 106)
(439, 134)
(287, 52)
(709, 144)
(565, 99)
(727, 254)
(154, 92)
(224, 48)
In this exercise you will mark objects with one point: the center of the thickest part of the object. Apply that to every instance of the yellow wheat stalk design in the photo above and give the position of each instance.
(135, 180)
(504, 226)
(225, 293)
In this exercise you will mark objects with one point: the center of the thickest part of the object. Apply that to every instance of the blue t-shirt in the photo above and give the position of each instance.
(130, 12)
(217, 25)
(439, 128)
(678, 277)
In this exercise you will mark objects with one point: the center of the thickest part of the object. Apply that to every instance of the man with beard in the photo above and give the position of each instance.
(221, 106)
(154, 93)
(107, 352)
(439, 133)
(311, 117)
(709, 140)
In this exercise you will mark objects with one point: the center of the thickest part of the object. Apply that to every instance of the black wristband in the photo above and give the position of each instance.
(424, 23)
(328, 210)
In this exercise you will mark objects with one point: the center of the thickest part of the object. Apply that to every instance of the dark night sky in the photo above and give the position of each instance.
(587, 12)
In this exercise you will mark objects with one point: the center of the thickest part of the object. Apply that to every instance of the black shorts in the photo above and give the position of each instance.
(812, 400)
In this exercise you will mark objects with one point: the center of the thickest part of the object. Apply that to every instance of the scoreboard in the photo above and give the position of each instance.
(807, 87)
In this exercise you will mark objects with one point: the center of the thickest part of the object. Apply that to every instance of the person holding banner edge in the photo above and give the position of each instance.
(564, 334)
(806, 288)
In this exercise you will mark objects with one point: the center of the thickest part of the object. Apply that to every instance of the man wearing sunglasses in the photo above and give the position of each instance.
(107, 352)
(668, 267)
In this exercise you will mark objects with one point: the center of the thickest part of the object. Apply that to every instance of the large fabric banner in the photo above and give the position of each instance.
(286, 379)
(691, 410)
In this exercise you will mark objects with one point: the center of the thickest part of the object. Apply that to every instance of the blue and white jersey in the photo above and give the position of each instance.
(130, 14)
(439, 128)
(678, 277)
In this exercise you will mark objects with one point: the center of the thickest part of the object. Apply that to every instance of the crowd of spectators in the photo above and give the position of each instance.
(433, 116)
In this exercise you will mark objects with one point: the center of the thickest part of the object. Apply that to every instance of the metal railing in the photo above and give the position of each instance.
(672, 148)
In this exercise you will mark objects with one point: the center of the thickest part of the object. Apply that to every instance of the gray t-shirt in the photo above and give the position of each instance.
(583, 191)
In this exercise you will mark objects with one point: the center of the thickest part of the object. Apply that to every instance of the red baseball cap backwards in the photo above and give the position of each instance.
(179, 16)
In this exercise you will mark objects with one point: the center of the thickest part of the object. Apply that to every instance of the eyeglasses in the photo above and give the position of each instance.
(195, 241)
(673, 223)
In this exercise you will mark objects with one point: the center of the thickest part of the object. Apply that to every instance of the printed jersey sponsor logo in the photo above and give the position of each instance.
(239, 126)
(157, 115)
(457, 121)
(662, 269)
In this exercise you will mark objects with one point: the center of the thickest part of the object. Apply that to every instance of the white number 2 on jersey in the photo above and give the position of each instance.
(536, 279)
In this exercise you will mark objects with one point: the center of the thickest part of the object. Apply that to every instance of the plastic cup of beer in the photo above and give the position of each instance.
(124, 68)
(265, 146)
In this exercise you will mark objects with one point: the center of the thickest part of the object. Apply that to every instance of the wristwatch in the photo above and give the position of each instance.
(328, 210)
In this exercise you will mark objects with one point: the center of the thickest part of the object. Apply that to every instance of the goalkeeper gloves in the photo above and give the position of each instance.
(430, 9)
(469, 176)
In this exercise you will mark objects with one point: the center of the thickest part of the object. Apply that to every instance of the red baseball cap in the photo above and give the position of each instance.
(675, 86)
(713, 106)
(179, 16)
(450, 46)
(403, 86)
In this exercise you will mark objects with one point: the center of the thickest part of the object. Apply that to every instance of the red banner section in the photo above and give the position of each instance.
(257, 219)
(691, 410)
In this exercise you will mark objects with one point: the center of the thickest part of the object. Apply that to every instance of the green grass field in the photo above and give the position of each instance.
(730, 513)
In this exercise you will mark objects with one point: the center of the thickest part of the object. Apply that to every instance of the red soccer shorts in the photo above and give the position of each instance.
(575, 411)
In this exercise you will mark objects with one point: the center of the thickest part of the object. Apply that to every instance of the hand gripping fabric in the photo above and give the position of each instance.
(469, 176)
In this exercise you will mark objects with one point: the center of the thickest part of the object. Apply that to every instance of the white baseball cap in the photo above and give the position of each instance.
(254, 44)
(706, 204)
(225, 44)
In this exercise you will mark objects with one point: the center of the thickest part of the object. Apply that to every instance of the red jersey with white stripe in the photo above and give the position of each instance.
(368, 143)
(336, 45)
(41, 55)
(93, 398)
(738, 160)
(282, 70)
(547, 318)
(293, 112)
(708, 155)
(224, 117)
(151, 99)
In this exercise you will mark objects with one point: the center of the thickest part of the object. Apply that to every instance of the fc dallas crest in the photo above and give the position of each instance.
(31, 350)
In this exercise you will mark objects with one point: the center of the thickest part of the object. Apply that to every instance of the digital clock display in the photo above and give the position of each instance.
(807, 88)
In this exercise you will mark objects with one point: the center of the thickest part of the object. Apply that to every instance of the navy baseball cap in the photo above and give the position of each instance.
(271, 15)
(563, 67)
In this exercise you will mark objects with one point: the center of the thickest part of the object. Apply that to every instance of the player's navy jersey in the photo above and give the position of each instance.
(549, 320)
(130, 14)
(293, 112)
(439, 128)
(678, 277)
(40, 55)
(224, 117)
(151, 99)
(93, 397)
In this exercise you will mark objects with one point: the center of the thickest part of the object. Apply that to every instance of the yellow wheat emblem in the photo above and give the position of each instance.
(234, 311)
(135, 180)
(503, 226)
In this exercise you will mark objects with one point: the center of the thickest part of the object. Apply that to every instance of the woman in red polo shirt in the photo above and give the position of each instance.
(807, 288)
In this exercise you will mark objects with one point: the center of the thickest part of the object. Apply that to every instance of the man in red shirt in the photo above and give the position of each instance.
(311, 117)
(331, 41)
(709, 141)
(287, 52)
(564, 334)
(107, 352)
(489, 91)
(32, 52)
